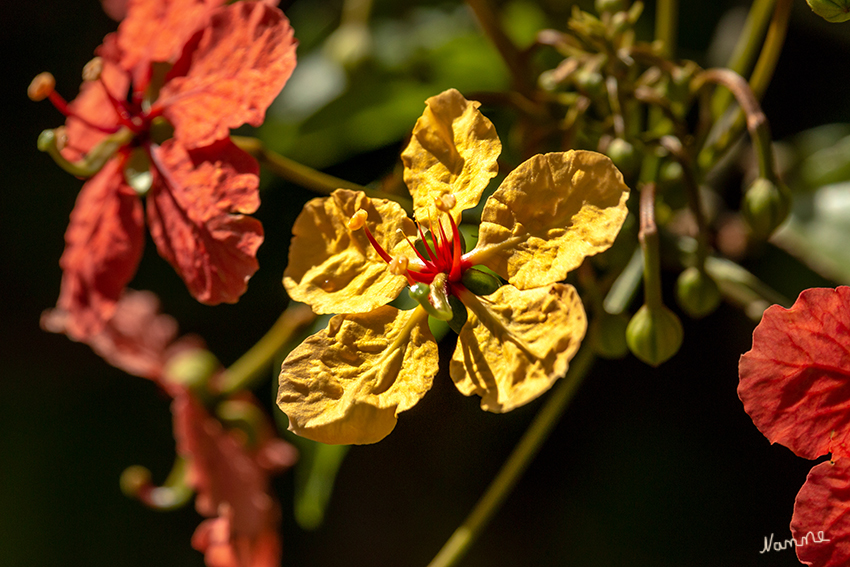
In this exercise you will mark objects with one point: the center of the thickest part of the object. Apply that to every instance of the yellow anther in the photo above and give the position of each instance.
(93, 69)
(445, 202)
(41, 86)
(358, 220)
(398, 265)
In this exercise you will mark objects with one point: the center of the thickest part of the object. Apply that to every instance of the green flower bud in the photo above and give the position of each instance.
(765, 206)
(624, 155)
(590, 83)
(834, 11)
(696, 293)
(480, 282)
(654, 335)
(608, 335)
(192, 368)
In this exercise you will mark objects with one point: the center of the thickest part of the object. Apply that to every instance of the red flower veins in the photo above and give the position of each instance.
(795, 385)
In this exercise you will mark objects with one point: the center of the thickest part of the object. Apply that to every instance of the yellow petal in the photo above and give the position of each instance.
(453, 151)
(516, 343)
(334, 269)
(347, 383)
(549, 214)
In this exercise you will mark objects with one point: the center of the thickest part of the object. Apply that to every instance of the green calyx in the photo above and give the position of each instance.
(480, 282)
(834, 11)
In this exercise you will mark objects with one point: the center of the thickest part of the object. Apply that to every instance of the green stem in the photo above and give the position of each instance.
(307, 176)
(745, 51)
(728, 130)
(649, 244)
(460, 541)
(756, 120)
(666, 28)
(254, 363)
(773, 43)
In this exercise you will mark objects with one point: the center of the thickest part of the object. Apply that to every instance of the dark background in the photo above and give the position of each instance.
(656, 467)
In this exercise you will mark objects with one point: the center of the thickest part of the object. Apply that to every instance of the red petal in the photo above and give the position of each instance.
(233, 485)
(795, 382)
(157, 30)
(243, 59)
(821, 521)
(103, 245)
(191, 215)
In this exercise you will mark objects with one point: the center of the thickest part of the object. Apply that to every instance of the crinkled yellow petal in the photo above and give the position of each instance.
(334, 269)
(347, 383)
(453, 151)
(516, 343)
(549, 214)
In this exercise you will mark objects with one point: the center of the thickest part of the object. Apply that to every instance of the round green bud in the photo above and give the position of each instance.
(608, 335)
(697, 293)
(480, 282)
(834, 11)
(624, 155)
(765, 206)
(590, 82)
(192, 368)
(134, 479)
(654, 335)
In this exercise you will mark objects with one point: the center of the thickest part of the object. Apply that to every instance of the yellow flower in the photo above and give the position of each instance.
(352, 254)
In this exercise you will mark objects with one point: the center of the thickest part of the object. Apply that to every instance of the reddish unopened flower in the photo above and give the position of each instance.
(153, 118)
(229, 468)
(795, 385)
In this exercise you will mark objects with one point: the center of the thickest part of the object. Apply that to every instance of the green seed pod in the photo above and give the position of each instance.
(765, 206)
(696, 293)
(608, 335)
(480, 282)
(834, 11)
(459, 314)
(654, 335)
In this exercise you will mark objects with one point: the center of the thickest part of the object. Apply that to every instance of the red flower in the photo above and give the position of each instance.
(214, 68)
(229, 469)
(795, 385)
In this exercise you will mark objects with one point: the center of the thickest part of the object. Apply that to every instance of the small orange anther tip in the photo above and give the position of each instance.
(357, 221)
(445, 203)
(93, 69)
(41, 86)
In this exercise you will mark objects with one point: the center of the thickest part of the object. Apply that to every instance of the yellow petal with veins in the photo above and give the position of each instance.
(549, 214)
(334, 269)
(516, 343)
(453, 150)
(347, 383)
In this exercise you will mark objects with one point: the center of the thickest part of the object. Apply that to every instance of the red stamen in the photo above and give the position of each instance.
(120, 108)
(456, 271)
(62, 106)
(432, 255)
(378, 248)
